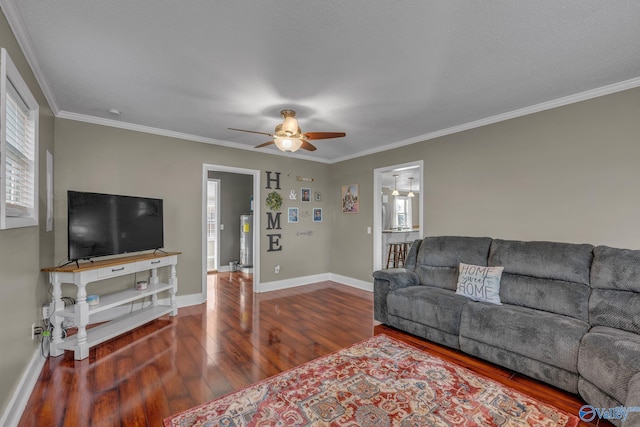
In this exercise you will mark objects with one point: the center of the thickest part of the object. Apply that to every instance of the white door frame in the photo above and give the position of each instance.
(377, 207)
(256, 220)
(217, 222)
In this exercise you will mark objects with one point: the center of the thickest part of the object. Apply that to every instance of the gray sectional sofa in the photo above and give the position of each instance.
(569, 313)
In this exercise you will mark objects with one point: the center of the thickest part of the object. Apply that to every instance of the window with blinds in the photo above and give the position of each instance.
(19, 148)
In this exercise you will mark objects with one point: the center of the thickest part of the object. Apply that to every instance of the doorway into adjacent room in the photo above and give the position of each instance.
(229, 220)
(398, 206)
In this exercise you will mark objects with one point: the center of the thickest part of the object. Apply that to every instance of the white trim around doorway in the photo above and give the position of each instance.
(256, 220)
(377, 206)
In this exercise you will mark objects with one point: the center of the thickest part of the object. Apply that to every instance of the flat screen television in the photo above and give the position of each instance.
(108, 224)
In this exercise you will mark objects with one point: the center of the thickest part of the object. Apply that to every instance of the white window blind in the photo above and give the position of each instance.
(20, 156)
(18, 149)
(403, 214)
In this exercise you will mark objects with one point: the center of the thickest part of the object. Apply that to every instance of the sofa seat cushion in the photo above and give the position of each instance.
(434, 307)
(549, 338)
(609, 358)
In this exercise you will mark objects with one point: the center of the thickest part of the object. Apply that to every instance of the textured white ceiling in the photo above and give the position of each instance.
(385, 72)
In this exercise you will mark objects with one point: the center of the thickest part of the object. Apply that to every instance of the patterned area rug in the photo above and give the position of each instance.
(378, 382)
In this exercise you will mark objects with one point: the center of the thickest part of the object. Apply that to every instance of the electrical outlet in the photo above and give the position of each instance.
(33, 331)
(45, 311)
(277, 269)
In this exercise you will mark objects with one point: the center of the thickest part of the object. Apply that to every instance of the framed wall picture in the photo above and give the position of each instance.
(350, 198)
(317, 214)
(293, 214)
(305, 194)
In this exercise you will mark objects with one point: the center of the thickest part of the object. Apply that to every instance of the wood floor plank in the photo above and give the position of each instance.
(209, 350)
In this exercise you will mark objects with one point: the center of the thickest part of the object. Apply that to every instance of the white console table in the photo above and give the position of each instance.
(83, 314)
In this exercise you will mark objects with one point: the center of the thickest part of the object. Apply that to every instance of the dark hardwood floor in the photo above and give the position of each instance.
(235, 339)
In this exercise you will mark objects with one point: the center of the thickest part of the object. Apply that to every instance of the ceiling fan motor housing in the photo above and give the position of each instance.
(290, 125)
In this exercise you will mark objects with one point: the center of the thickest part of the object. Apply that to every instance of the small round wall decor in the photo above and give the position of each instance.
(274, 201)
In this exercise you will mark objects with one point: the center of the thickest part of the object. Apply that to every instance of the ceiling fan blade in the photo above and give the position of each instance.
(251, 131)
(323, 135)
(307, 145)
(264, 145)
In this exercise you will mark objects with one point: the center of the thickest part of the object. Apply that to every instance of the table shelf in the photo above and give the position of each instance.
(112, 329)
(115, 299)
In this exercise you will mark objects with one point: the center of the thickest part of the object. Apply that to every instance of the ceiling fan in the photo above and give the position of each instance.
(288, 136)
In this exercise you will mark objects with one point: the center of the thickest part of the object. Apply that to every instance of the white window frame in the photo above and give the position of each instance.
(9, 75)
(408, 215)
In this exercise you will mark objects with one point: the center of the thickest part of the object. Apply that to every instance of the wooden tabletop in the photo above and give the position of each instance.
(88, 265)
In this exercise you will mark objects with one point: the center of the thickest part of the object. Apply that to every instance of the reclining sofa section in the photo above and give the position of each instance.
(569, 314)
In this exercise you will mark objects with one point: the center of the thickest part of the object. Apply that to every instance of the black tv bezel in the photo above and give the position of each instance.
(161, 203)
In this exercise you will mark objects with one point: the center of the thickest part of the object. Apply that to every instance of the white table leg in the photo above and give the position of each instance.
(58, 306)
(81, 319)
(173, 281)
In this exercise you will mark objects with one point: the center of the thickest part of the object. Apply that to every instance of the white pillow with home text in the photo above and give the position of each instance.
(479, 283)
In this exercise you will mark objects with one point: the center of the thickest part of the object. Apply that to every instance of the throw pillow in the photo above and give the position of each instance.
(479, 283)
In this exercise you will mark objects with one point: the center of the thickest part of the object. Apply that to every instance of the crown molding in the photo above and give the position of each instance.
(571, 99)
(178, 135)
(17, 26)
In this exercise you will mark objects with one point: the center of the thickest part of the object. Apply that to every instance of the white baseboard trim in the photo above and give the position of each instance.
(189, 300)
(350, 281)
(15, 408)
(292, 283)
(307, 280)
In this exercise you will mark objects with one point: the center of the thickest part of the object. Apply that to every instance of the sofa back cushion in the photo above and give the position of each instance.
(549, 276)
(438, 258)
(615, 279)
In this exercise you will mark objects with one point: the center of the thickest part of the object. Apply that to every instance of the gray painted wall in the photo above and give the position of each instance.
(567, 174)
(103, 159)
(23, 251)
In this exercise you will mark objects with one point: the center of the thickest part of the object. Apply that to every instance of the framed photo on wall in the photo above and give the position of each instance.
(293, 214)
(350, 198)
(305, 194)
(317, 214)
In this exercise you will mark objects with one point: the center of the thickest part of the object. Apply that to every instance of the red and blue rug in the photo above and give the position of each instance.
(378, 382)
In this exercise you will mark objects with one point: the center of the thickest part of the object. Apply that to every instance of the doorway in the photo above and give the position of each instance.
(221, 235)
(397, 218)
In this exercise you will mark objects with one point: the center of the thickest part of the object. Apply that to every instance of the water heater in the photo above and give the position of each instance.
(246, 240)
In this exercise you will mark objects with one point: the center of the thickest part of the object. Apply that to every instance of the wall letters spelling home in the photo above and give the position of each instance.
(273, 221)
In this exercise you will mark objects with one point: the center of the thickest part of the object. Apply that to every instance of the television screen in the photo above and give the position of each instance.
(107, 224)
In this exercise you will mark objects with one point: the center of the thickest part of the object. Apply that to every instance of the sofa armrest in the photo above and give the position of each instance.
(633, 401)
(385, 281)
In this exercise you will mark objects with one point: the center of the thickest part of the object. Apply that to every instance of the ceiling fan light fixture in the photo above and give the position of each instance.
(288, 136)
(288, 145)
